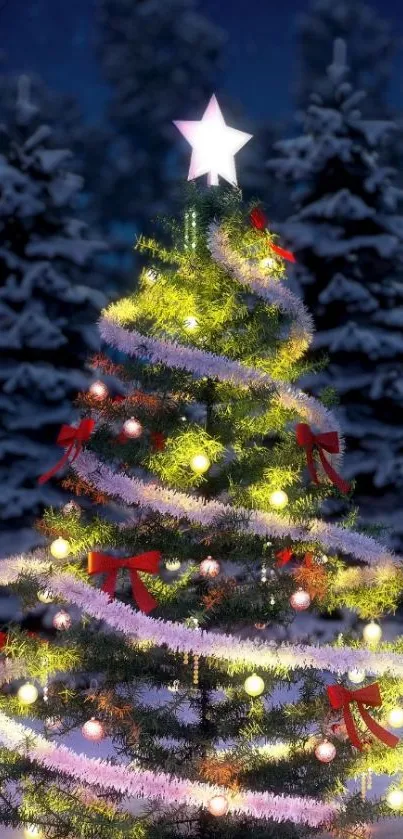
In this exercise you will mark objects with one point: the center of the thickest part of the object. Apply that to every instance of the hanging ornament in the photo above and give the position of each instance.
(300, 600)
(321, 443)
(254, 685)
(98, 390)
(132, 428)
(394, 799)
(341, 699)
(200, 463)
(356, 676)
(100, 563)
(172, 564)
(93, 730)
(218, 805)
(325, 751)
(72, 439)
(209, 567)
(27, 694)
(372, 633)
(45, 596)
(62, 620)
(395, 718)
(60, 548)
(214, 145)
(278, 499)
(71, 508)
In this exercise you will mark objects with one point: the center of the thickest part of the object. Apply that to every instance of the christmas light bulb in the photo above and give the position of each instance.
(93, 730)
(395, 799)
(172, 564)
(218, 805)
(60, 548)
(45, 596)
(300, 600)
(395, 718)
(32, 831)
(372, 633)
(325, 751)
(200, 463)
(191, 323)
(278, 499)
(133, 428)
(254, 685)
(62, 620)
(27, 694)
(356, 676)
(209, 567)
(98, 390)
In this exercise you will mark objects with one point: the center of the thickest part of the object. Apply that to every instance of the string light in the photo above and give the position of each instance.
(395, 718)
(254, 685)
(133, 428)
(395, 799)
(356, 676)
(209, 567)
(27, 694)
(218, 805)
(98, 390)
(372, 633)
(200, 463)
(278, 499)
(60, 548)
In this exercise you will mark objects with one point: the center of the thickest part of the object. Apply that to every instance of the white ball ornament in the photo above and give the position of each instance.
(278, 499)
(200, 463)
(98, 390)
(133, 428)
(395, 799)
(93, 730)
(254, 685)
(218, 805)
(209, 567)
(300, 600)
(62, 620)
(372, 633)
(27, 694)
(325, 752)
(395, 718)
(356, 676)
(60, 548)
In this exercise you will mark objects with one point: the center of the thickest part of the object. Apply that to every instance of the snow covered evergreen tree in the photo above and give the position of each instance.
(47, 314)
(347, 234)
(155, 56)
(370, 44)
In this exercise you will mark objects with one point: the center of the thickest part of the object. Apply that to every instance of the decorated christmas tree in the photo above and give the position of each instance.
(195, 537)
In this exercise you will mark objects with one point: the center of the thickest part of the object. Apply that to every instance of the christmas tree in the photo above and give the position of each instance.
(209, 467)
(46, 311)
(346, 231)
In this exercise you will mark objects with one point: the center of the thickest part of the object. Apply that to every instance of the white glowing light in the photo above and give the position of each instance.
(395, 799)
(372, 633)
(191, 324)
(254, 685)
(200, 463)
(395, 718)
(278, 499)
(27, 694)
(214, 145)
(60, 548)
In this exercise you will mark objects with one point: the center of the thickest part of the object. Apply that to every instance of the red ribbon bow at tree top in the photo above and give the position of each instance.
(100, 563)
(327, 442)
(259, 222)
(72, 439)
(341, 699)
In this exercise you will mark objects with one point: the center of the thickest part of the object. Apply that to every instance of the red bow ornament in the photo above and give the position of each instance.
(259, 222)
(100, 563)
(327, 442)
(341, 699)
(284, 557)
(72, 439)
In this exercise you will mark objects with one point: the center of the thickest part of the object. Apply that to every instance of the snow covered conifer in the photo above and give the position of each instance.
(347, 234)
(47, 314)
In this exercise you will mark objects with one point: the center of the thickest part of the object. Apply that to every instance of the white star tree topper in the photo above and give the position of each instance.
(214, 145)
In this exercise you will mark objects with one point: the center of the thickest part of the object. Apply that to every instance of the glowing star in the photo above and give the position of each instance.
(214, 145)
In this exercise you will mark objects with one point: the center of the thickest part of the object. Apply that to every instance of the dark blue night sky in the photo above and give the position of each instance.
(56, 39)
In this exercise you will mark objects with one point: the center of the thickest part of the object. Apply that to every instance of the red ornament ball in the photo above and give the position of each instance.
(209, 567)
(300, 600)
(133, 428)
(325, 751)
(93, 730)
